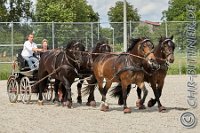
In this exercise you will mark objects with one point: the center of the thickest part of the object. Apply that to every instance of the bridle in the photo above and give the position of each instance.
(141, 48)
(168, 43)
(101, 46)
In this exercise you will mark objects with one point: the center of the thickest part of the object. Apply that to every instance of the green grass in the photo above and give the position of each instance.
(5, 71)
(178, 67)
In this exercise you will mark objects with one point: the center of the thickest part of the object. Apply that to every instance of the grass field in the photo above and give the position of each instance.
(178, 67)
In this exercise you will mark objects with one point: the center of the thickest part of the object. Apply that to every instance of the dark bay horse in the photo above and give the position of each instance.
(86, 67)
(125, 68)
(164, 53)
(64, 64)
(84, 71)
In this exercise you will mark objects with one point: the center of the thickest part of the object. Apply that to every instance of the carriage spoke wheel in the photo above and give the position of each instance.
(25, 90)
(12, 89)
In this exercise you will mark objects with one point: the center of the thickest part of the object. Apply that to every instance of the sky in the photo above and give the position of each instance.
(148, 9)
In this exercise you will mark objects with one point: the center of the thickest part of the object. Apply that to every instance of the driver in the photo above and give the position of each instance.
(27, 53)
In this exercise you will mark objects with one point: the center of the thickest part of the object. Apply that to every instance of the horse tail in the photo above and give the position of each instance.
(92, 85)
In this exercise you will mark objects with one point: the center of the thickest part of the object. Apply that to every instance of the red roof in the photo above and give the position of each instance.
(152, 23)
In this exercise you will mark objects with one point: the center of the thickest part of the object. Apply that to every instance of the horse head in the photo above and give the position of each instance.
(102, 47)
(143, 47)
(76, 48)
(167, 47)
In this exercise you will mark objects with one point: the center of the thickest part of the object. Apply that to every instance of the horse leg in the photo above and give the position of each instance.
(79, 97)
(56, 87)
(159, 90)
(104, 106)
(145, 93)
(91, 99)
(152, 101)
(120, 100)
(42, 85)
(139, 96)
(67, 101)
(124, 96)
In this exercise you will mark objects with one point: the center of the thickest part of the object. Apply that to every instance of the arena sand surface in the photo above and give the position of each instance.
(31, 118)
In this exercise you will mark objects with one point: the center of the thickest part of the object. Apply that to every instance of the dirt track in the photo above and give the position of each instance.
(20, 117)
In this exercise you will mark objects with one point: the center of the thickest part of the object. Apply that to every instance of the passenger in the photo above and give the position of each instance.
(27, 53)
(44, 45)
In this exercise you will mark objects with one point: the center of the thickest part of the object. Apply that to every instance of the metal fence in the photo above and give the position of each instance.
(13, 34)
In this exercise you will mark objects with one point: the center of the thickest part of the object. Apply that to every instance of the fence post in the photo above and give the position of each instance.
(98, 30)
(130, 29)
(166, 30)
(53, 35)
(92, 39)
(12, 40)
(86, 41)
(179, 65)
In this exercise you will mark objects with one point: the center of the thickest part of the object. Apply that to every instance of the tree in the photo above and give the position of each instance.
(16, 11)
(3, 11)
(115, 14)
(65, 11)
(177, 10)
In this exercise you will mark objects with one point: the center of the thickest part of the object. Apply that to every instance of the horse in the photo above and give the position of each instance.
(86, 70)
(126, 68)
(164, 53)
(63, 65)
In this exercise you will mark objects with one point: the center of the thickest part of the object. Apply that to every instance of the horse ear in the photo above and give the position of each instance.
(172, 37)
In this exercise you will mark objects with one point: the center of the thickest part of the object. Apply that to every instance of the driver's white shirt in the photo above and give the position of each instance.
(27, 49)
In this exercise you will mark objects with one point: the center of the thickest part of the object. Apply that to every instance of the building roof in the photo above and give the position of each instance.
(152, 23)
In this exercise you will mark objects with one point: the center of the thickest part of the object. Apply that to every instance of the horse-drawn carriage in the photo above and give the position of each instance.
(139, 64)
(23, 82)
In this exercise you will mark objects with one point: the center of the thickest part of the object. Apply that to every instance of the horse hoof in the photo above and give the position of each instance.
(69, 104)
(93, 103)
(138, 103)
(40, 102)
(142, 107)
(162, 109)
(104, 107)
(127, 110)
(88, 103)
(151, 102)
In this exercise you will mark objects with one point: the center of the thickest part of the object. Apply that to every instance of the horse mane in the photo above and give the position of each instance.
(133, 42)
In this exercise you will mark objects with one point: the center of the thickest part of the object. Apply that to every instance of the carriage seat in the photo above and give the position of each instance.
(22, 63)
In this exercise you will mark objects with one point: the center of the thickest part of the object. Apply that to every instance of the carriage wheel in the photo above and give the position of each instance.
(12, 89)
(25, 90)
(48, 95)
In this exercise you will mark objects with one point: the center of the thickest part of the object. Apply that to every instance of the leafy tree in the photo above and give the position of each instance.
(177, 10)
(65, 11)
(16, 11)
(115, 14)
(3, 11)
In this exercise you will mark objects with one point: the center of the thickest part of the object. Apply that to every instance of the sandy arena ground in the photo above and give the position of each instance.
(31, 118)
